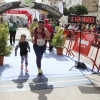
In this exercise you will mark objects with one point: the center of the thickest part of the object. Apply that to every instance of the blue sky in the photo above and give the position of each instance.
(18, 0)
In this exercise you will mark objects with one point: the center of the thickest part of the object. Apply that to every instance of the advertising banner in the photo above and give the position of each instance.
(20, 12)
(61, 7)
(86, 43)
(31, 4)
(66, 32)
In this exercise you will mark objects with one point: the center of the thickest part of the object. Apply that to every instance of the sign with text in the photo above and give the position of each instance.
(82, 19)
(20, 12)
(86, 43)
(66, 32)
(31, 4)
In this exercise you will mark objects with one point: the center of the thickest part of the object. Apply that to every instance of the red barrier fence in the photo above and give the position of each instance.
(86, 43)
(87, 40)
(70, 42)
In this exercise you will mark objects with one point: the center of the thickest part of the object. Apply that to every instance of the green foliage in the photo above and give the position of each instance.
(65, 11)
(57, 28)
(34, 24)
(72, 10)
(78, 10)
(81, 10)
(58, 40)
(5, 50)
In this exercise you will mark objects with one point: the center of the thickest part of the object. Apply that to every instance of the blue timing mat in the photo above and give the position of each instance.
(52, 66)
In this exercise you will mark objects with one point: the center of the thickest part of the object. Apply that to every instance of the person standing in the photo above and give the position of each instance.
(23, 45)
(12, 30)
(52, 34)
(50, 29)
(40, 35)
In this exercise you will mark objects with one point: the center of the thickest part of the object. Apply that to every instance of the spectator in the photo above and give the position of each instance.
(12, 30)
(50, 29)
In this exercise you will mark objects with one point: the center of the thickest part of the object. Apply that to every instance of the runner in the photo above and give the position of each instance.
(41, 35)
(23, 45)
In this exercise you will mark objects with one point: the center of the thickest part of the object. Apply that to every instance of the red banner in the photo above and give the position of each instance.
(21, 12)
(86, 43)
(66, 32)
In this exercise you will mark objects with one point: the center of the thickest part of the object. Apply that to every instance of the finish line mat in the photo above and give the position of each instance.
(55, 72)
(52, 66)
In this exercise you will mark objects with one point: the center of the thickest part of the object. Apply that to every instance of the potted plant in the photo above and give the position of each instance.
(58, 41)
(5, 50)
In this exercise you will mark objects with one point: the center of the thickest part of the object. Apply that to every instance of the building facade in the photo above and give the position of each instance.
(43, 14)
(91, 5)
(2, 2)
(52, 2)
(70, 3)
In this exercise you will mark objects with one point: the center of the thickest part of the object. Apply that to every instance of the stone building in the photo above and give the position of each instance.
(91, 5)
(52, 2)
(2, 2)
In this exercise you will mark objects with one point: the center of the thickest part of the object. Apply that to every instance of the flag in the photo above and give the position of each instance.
(61, 7)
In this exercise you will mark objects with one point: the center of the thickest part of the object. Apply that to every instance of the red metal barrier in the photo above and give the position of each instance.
(86, 43)
(97, 36)
(71, 33)
(85, 47)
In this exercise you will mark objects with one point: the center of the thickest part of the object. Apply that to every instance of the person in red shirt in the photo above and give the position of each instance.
(50, 29)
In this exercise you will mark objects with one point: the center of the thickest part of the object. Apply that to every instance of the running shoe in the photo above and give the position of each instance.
(40, 72)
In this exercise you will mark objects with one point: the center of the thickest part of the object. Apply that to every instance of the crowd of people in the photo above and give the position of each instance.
(85, 27)
(90, 28)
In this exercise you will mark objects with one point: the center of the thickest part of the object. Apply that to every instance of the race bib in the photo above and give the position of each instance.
(40, 42)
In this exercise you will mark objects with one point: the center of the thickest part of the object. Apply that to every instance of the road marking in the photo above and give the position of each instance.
(42, 83)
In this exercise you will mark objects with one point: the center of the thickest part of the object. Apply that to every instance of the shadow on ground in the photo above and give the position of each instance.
(41, 87)
(21, 79)
(89, 90)
(3, 68)
(55, 56)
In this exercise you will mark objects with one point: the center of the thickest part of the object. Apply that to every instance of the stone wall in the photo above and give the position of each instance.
(89, 5)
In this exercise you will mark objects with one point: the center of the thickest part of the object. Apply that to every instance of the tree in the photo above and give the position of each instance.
(81, 10)
(65, 11)
(78, 10)
(72, 10)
